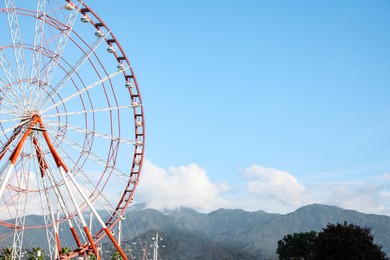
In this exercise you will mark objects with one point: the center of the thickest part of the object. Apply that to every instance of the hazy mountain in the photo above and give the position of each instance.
(245, 235)
(224, 233)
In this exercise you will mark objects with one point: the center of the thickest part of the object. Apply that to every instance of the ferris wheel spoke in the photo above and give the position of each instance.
(95, 158)
(11, 128)
(86, 182)
(50, 220)
(45, 207)
(6, 235)
(63, 202)
(19, 120)
(17, 44)
(22, 176)
(98, 217)
(95, 196)
(14, 157)
(65, 174)
(38, 40)
(12, 79)
(79, 213)
(6, 67)
(105, 203)
(98, 161)
(7, 203)
(90, 111)
(12, 101)
(16, 136)
(90, 132)
(65, 208)
(37, 53)
(9, 103)
(10, 112)
(74, 69)
(7, 175)
(53, 63)
(81, 91)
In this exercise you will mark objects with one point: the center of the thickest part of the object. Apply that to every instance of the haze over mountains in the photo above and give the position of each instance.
(227, 233)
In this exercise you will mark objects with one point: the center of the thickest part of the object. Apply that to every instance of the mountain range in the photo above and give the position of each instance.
(239, 234)
(222, 234)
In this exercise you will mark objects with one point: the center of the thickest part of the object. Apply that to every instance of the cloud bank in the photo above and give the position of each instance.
(182, 186)
(274, 184)
(261, 188)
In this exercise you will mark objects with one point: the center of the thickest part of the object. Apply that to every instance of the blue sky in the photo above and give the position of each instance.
(266, 105)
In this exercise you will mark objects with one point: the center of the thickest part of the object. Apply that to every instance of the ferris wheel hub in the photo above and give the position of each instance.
(34, 113)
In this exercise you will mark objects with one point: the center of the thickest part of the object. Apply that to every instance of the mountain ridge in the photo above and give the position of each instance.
(222, 233)
(256, 233)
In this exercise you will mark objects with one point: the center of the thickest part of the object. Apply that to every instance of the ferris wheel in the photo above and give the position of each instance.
(72, 129)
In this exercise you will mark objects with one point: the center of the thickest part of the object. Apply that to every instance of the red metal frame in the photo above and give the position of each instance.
(60, 163)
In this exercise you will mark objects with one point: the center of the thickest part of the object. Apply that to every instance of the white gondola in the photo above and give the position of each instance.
(120, 66)
(138, 123)
(85, 19)
(69, 6)
(99, 33)
(135, 104)
(129, 85)
(110, 49)
(139, 143)
(134, 181)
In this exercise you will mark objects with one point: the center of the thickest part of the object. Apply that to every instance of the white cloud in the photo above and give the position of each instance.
(261, 188)
(279, 191)
(386, 176)
(363, 197)
(274, 184)
(187, 186)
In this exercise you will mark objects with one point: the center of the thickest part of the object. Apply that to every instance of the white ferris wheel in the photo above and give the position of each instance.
(72, 128)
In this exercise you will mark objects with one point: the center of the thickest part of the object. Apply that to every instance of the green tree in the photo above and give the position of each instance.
(65, 250)
(36, 253)
(116, 255)
(346, 242)
(296, 246)
(6, 254)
